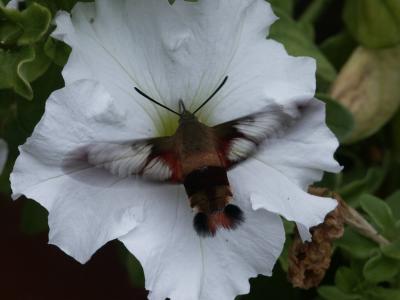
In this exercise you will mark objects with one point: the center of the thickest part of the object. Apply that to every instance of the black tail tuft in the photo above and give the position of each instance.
(207, 224)
(235, 214)
(201, 225)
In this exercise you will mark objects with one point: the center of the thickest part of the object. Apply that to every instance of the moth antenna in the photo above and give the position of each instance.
(182, 107)
(212, 95)
(156, 102)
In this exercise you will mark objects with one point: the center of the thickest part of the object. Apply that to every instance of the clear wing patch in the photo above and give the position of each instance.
(240, 138)
(150, 159)
(120, 160)
(240, 148)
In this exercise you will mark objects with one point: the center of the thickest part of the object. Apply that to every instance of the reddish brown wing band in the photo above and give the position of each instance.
(152, 159)
(239, 139)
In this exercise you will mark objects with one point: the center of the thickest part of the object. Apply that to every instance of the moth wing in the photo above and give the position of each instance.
(153, 159)
(240, 138)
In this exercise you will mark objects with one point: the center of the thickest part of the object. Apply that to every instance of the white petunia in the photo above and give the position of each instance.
(14, 3)
(176, 52)
(3, 154)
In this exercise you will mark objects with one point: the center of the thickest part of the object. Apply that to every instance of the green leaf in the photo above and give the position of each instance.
(33, 218)
(58, 51)
(380, 213)
(12, 72)
(395, 129)
(9, 33)
(135, 270)
(380, 268)
(286, 6)
(374, 24)
(29, 113)
(380, 293)
(346, 279)
(297, 43)
(394, 203)
(356, 245)
(338, 118)
(307, 29)
(284, 257)
(36, 68)
(21, 66)
(34, 21)
(392, 250)
(338, 48)
(367, 184)
(333, 293)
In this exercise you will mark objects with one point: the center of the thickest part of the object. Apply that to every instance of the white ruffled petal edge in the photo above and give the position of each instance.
(182, 266)
(278, 176)
(306, 150)
(14, 4)
(88, 210)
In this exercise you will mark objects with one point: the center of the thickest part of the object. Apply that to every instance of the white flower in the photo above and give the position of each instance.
(3, 154)
(14, 3)
(176, 52)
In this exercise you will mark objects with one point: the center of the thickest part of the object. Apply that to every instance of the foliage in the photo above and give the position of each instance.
(30, 69)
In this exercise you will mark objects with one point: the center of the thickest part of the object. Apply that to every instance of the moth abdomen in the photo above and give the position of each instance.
(210, 195)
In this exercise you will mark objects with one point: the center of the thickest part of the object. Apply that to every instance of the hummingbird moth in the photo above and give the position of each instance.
(197, 156)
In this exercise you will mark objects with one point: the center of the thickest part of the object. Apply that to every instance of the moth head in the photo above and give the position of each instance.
(183, 113)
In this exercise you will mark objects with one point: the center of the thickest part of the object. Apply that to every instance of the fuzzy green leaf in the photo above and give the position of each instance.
(369, 183)
(394, 203)
(380, 293)
(380, 213)
(333, 293)
(346, 279)
(380, 268)
(392, 250)
(356, 245)
(373, 23)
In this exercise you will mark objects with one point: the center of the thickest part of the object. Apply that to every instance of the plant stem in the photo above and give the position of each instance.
(314, 10)
(354, 219)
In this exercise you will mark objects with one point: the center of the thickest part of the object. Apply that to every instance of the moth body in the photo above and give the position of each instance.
(204, 176)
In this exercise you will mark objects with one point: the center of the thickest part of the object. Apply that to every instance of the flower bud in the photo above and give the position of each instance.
(368, 85)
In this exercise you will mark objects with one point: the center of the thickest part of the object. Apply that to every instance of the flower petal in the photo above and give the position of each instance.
(271, 190)
(3, 154)
(184, 51)
(277, 177)
(82, 217)
(14, 4)
(306, 150)
(180, 265)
